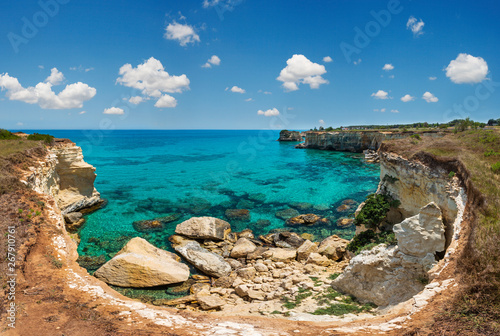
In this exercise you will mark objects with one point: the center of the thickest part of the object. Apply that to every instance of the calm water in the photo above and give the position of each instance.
(150, 174)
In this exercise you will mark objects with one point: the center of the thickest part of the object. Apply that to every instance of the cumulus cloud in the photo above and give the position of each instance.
(237, 89)
(56, 77)
(388, 67)
(415, 26)
(183, 33)
(269, 113)
(429, 97)
(467, 69)
(151, 78)
(432, 78)
(114, 110)
(327, 59)
(407, 98)
(136, 100)
(166, 101)
(248, 99)
(395, 111)
(72, 96)
(214, 60)
(321, 122)
(301, 70)
(380, 94)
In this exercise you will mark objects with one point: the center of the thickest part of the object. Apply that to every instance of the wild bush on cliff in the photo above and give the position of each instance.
(375, 209)
(6, 135)
(48, 139)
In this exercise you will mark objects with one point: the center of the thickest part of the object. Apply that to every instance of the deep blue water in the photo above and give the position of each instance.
(149, 174)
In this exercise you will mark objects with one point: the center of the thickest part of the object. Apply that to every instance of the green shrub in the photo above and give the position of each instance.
(496, 168)
(6, 135)
(491, 153)
(48, 139)
(368, 239)
(375, 209)
(416, 136)
(451, 174)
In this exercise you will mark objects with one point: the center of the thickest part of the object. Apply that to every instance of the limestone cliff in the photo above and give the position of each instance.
(290, 136)
(353, 141)
(64, 175)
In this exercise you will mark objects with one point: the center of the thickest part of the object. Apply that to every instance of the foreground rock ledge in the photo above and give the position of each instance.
(140, 264)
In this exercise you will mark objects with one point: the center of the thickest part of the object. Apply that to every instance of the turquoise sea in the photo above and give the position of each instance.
(186, 173)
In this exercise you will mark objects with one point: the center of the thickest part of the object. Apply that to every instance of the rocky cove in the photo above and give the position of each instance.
(246, 274)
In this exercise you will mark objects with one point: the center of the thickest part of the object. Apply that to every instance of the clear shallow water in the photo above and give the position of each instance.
(150, 174)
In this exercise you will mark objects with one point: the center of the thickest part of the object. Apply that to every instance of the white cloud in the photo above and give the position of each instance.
(83, 112)
(321, 122)
(407, 98)
(415, 26)
(357, 62)
(429, 97)
(56, 77)
(136, 100)
(72, 96)
(183, 33)
(226, 5)
(391, 76)
(395, 111)
(81, 69)
(301, 70)
(467, 69)
(166, 101)
(114, 110)
(380, 94)
(388, 67)
(327, 59)
(269, 113)
(237, 89)
(151, 78)
(214, 60)
(41, 67)
(20, 124)
(382, 109)
(248, 99)
(432, 78)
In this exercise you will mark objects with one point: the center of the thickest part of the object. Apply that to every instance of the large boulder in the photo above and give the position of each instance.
(242, 247)
(306, 249)
(287, 239)
(280, 254)
(204, 260)
(333, 247)
(423, 233)
(204, 228)
(140, 264)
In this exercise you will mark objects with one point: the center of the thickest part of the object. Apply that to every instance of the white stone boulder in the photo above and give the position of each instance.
(204, 228)
(204, 260)
(333, 247)
(242, 247)
(140, 264)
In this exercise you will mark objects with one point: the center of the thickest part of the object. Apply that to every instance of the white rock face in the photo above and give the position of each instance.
(204, 228)
(140, 264)
(204, 260)
(423, 233)
(389, 275)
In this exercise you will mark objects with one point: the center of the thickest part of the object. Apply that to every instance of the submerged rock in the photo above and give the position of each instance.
(238, 214)
(204, 260)
(91, 262)
(140, 264)
(345, 222)
(309, 219)
(204, 228)
(286, 213)
(302, 206)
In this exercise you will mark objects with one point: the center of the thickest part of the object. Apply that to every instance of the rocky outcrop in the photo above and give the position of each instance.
(353, 141)
(389, 275)
(140, 264)
(204, 260)
(290, 136)
(333, 247)
(64, 175)
(204, 228)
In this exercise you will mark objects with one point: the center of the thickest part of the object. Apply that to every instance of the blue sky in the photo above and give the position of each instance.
(443, 51)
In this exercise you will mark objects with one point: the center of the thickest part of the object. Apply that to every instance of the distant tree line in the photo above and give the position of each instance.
(459, 125)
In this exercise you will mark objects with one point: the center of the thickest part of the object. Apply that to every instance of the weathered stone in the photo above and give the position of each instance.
(235, 264)
(308, 219)
(345, 222)
(157, 224)
(245, 204)
(306, 249)
(256, 294)
(259, 251)
(175, 302)
(268, 238)
(247, 273)
(140, 264)
(204, 228)
(204, 260)
(343, 208)
(247, 233)
(423, 233)
(198, 287)
(280, 254)
(91, 262)
(318, 259)
(286, 135)
(286, 213)
(72, 217)
(242, 290)
(226, 281)
(260, 267)
(290, 238)
(242, 247)
(307, 236)
(333, 247)
(209, 302)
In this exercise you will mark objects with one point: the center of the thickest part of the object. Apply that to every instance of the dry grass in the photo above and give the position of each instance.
(476, 309)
